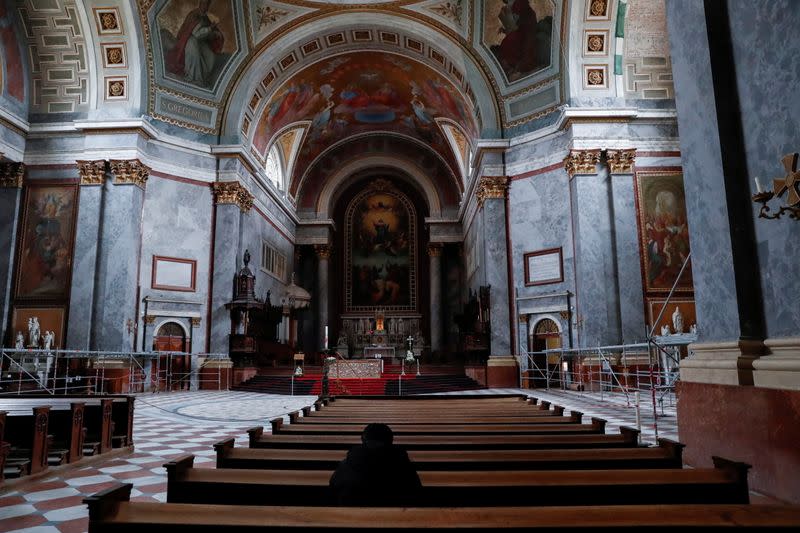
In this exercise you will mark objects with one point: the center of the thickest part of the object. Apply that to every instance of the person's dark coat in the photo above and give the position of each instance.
(376, 476)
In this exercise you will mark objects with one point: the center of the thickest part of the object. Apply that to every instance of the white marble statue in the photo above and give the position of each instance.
(48, 340)
(677, 320)
(665, 330)
(34, 333)
(693, 329)
(20, 344)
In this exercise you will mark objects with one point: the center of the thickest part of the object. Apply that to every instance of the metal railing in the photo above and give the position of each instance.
(93, 372)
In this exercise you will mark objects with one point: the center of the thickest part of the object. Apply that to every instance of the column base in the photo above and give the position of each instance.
(725, 363)
(780, 369)
(502, 371)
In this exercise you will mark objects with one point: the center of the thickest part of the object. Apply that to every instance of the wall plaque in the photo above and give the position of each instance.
(173, 274)
(543, 267)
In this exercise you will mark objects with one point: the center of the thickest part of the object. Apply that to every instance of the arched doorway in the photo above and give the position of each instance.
(172, 371)
(544, 335)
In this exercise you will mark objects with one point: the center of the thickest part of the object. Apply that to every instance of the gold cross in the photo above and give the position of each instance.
(790, 181)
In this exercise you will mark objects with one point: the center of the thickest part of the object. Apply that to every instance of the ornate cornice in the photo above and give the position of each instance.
(621, 161)
(491, 187)
(92, 172)
(582, 162)
(11, 175)
(435, 249)
(233, 192)
(323, 251)
(130, 172)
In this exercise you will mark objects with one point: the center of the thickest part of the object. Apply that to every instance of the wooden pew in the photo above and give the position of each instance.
(726, 483)
(628, 437)
(26, 432)
(668, 454)
(571, 426)
(427, 417)
(112, 511)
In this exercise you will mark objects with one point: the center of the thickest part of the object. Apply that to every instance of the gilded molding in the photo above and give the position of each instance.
(582, 162)
(11, 175)
(195, 320)
(621, 161)
(491, 187)
(150, 319)
(323, 251)
(233, 192)
(130, 172)
(92, 172)
(435, 249)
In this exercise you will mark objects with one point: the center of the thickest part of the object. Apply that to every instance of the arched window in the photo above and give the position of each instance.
(274, 169)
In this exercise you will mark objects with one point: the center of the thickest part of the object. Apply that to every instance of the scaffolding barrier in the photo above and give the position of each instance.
(93, 372)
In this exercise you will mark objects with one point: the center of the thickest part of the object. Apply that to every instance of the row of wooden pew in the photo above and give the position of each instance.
(37, 432)
(498, 462)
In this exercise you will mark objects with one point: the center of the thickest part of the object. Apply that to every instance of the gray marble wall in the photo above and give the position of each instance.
(176, 223)
(114, 313)
(495, 270)
(769, 98)
(227, 261)
(10, 207)
(540, 207)
(84, 267)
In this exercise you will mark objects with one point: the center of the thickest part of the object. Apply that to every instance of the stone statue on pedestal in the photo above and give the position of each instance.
(48, 340)
(665, 330)
(677, 320)
(20, 344)
(34, 332)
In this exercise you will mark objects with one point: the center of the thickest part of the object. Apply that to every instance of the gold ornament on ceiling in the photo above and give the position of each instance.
(269, 15)
(596, 43)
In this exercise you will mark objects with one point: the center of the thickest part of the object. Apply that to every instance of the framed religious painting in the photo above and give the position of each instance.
(34, 324)
(44, 260)
(544, 267)
(663, 231)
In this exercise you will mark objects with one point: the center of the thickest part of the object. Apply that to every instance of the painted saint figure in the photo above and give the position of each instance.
(198, 44)
(517, 51)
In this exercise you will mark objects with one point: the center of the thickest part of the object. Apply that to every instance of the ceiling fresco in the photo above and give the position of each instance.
(364, 92)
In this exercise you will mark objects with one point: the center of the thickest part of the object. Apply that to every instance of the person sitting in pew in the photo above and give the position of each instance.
(376, 473)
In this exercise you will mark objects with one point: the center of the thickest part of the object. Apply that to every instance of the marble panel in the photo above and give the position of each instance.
(767, 73)
(177, 223)
(704, 179)
(597, 285)
(9, 219)
(227, 261)
(629, 269)
(114, 314)
(496, 274)
(84, 268)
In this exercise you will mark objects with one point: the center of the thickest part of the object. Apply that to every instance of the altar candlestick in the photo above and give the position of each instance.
(758, 185)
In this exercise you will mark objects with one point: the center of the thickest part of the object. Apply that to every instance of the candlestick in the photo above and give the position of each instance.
(758, 185)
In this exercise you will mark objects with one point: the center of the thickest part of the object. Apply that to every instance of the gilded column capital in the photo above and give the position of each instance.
(11, 175)
(435, 249)
(195, 321)
(130, 172)
(233, 192)
(582, 162)
(621, 161)
(150, 319)
(92, 172)
(323, 251)
(491, 187)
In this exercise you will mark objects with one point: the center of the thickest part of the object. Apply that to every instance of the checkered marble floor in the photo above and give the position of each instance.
(165, 426)
(168, 425)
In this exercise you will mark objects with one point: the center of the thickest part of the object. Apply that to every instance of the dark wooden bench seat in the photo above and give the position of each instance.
(668, 454)
(426, 417)
(111, 511)
(726, 483)
(25, 430)
(65, 426)
(570, 424)
(628, 437)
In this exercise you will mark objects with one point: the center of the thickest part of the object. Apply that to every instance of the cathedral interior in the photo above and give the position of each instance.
(495, 187)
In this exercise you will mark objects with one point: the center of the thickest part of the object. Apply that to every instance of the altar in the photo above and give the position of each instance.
(375, 352)
(356, 368)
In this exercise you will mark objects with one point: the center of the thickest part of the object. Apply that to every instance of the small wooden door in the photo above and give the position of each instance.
(173, 369)
(545, 336)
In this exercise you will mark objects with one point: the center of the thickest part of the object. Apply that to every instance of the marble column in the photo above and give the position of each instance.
(435, 258)
(114, 303)
(232, 202)
(597, 294)
(323, 252)
(84, 265)
(502, 368)
(626, 245)
(11, 176)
